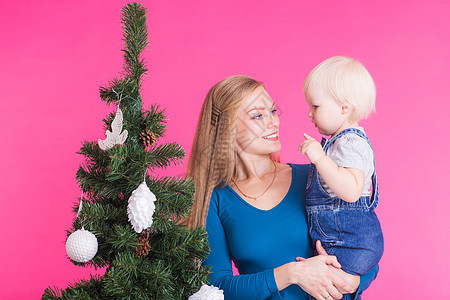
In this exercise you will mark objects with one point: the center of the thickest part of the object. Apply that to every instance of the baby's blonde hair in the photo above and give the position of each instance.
(212, 160)
(348, 82)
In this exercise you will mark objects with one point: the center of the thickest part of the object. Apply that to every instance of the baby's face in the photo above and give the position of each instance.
(325, 112)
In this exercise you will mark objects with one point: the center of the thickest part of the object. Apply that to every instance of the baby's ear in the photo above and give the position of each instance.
(346, 107)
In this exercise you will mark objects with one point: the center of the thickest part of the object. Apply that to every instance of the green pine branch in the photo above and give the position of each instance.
(155, 120)
(135, 37)
(162, 156)
(83, 290)
(122, 239)
(116, 88)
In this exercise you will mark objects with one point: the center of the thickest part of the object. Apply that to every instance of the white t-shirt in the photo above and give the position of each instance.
(352, 151)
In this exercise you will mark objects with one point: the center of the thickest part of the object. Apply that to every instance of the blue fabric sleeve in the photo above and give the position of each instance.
(365, 281)
(259, 285)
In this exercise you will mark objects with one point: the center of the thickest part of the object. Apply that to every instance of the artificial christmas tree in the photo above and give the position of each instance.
(147, 251)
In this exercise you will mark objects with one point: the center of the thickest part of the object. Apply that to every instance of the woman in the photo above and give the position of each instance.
(253, 207)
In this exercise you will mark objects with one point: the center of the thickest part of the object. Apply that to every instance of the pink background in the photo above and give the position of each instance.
(55, 54)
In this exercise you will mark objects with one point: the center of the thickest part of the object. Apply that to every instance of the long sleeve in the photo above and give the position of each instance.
(260, 285)
(365, 282)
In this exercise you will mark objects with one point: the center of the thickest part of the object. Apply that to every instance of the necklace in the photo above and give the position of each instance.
(254, 198)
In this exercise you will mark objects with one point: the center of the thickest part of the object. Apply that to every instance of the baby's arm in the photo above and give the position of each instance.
(346, 183)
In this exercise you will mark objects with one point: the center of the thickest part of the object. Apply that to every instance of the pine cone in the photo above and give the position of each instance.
(147, 137)
(143, 248)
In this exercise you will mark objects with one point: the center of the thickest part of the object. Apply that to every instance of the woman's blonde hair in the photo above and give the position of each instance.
(212, 160)
(347, 81)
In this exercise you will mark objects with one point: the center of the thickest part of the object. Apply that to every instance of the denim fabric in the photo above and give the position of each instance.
(350, 231)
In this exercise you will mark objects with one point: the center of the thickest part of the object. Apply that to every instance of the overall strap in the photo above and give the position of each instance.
(326, 143)
(357, 131)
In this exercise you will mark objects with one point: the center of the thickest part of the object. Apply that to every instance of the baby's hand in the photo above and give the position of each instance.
(311, 148)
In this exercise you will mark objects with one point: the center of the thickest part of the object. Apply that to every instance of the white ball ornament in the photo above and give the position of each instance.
(141, 207)
(81, 245)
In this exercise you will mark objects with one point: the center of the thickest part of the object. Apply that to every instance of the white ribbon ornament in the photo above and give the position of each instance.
(117, 136)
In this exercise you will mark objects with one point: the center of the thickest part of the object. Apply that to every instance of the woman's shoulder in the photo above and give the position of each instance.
(296, 174)
(299, 174)
(299, 168)
(220, 194)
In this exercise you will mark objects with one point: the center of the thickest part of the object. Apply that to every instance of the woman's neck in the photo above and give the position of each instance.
(252, 166)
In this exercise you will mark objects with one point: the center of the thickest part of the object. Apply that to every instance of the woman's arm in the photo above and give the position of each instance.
(259, 285)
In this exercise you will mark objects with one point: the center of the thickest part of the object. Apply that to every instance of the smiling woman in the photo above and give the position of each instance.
(257, 124)
(247, 202)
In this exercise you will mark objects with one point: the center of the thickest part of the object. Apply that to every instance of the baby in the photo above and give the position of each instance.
(342, 189)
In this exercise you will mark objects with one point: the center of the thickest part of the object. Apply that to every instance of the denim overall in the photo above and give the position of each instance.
(350, 231)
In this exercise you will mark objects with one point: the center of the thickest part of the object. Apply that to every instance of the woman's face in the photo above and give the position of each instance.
(257, 124)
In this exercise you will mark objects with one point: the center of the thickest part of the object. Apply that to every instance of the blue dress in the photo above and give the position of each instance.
(258, 241)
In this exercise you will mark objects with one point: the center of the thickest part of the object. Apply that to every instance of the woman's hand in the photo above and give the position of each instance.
(316, 277)
(351, 281)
